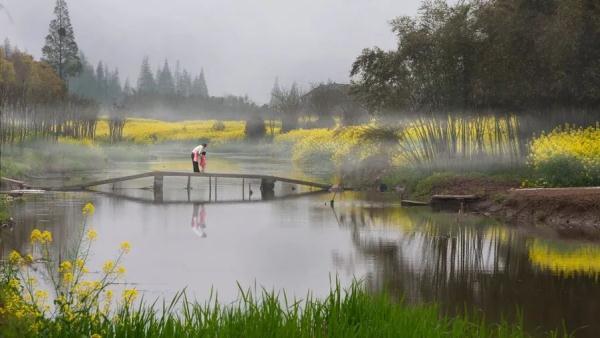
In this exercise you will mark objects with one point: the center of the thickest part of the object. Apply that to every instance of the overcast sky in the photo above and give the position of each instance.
(241, 44)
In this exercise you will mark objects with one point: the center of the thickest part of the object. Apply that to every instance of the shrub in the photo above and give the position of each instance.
(561, 171)
(218, 126)
(567, 157)
(255, 127)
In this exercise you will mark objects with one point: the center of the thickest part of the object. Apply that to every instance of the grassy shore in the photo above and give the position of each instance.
(343, 313)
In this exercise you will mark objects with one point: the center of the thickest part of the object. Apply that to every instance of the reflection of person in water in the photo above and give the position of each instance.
(199, 220)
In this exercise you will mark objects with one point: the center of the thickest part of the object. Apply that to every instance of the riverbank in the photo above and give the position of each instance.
(571, 212)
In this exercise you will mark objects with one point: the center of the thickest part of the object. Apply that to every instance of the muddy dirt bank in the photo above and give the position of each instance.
(572, 212)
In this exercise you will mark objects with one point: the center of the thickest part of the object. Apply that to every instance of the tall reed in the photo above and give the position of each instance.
(461, 141)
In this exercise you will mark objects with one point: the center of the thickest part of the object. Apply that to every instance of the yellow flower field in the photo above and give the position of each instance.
(583, 144)
(310, 145)
(146, 131)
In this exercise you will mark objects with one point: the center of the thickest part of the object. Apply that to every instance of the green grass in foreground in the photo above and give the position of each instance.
(343, 313)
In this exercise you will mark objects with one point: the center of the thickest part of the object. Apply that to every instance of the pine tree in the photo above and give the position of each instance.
(145, 82)
(114, 87)
(127, 90)
(101, 94)
(84, 84)
(156, 77)
(165, 83)
(186, 84)
(61, 50)
(177, 79)
(199, 86)
(203, 87)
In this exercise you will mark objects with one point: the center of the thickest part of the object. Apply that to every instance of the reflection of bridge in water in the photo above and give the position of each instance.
(264, 198)
(267, 185)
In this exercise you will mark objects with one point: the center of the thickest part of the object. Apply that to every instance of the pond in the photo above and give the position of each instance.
(297, 242)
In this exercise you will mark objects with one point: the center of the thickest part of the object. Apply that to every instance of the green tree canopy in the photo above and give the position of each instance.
(507, 55)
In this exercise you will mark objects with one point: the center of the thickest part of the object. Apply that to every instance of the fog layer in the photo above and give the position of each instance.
(242, 45)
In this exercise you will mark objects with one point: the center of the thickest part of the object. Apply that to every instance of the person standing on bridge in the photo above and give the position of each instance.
(196, 156)
(203, 161)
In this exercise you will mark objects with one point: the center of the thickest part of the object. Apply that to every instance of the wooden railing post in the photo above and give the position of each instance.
(158, 188)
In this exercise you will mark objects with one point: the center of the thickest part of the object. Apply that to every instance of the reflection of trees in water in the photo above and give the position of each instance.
(468, 263)
(59, 214)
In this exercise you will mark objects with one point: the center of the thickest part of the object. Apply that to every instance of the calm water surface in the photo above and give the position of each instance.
(298, 243)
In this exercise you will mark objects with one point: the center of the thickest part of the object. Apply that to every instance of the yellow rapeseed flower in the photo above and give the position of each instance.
(61, 301)
(79, 263)
(85, 288)
(66, 266)
(125, 247)
(88, 209)
(41, 296)
(577, 143)
(14, 257)
(28, 259)
(68, 277)
(121, 270)
(46, 236)
(108, 266)
(91, 234)
(14, 283)
(129, 295)
(36, 236)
